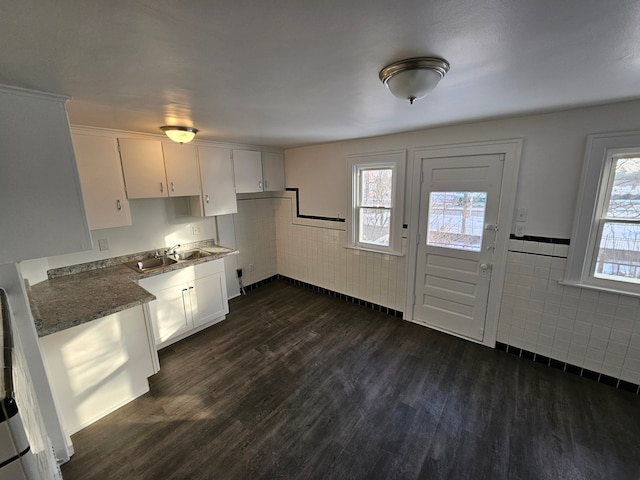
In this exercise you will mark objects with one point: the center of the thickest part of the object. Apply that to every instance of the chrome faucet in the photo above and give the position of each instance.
(172, 250)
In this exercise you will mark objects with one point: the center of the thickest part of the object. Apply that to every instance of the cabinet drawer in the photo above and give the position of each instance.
(208, 268)
(167, 280)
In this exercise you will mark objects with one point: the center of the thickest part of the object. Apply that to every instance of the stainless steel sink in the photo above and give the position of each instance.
(191, 255)
(157, 263)
(149, 264)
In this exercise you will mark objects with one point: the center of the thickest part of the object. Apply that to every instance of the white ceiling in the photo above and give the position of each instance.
(298, 72)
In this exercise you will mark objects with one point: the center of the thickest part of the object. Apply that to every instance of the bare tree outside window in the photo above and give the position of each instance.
(619, 248)
(374, 206)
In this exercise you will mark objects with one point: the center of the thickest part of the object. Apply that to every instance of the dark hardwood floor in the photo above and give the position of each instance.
(299, 385)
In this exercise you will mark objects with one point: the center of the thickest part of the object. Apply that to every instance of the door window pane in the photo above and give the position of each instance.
(456, 220)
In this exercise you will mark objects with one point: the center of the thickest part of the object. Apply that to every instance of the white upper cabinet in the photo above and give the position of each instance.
(258, 172)
(42, 210)
(216, 174)
(181, 165)
(154, 169)
(100, 172)
(272, 172)
(143, 168)
(247, 166)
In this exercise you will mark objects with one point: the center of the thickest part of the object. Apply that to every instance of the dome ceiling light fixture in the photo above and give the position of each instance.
(179, 134)
(413, 78)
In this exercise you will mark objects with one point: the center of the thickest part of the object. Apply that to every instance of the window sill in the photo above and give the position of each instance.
(373, 250)
(599, 288)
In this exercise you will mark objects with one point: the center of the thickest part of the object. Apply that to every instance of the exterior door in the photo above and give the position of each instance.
(458, 220)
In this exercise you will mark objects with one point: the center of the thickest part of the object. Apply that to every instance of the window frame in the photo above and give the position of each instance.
(396, 161)
(601, 152)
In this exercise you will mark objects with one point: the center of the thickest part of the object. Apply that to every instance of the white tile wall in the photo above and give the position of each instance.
(313, 251)
(596, 330)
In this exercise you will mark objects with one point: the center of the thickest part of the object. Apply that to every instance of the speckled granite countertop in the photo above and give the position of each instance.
(80, 293)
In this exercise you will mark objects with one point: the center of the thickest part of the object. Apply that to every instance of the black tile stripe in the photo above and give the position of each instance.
(311, 217)
(569, 368)
(550, 240)
(531, 238)
(538, 254)
(15, 457)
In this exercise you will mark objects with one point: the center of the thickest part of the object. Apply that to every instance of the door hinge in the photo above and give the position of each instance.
(418, 239)
(421, 176)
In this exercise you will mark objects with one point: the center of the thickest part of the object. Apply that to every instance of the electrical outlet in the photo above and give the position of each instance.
(251, 267)
(521, 214)
(520, 229)
(103, 244)
(196, 229)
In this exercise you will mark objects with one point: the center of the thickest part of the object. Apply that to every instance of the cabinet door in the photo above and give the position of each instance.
(98, 366)
(143, 168)
(169, 313)
(42, 211)
(216, 173)
(273, 171)
(209, 299)
(247, 166)
(181, 165)
(102, 183)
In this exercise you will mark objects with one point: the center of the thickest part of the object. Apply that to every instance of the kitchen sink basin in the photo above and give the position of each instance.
(157, 263)
(191, 255)
(149, 264)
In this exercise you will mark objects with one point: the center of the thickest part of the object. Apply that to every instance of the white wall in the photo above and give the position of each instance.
(552, 158)
(157, 223)
(256, 237)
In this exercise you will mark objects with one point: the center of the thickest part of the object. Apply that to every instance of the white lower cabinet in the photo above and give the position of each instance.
(187, 301)
(98, 366)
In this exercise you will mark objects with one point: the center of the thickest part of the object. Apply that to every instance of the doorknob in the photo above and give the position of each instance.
(484, 267)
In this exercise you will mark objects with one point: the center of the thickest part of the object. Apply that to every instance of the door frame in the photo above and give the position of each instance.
(512, 151)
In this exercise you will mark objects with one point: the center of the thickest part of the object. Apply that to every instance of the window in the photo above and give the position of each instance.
(605, 246)
(618, 251)
(374, 221)
(456, 220)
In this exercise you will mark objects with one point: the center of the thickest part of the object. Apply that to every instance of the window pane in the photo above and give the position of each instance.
(374, 226)
(625, 191)
(375, 187)
(619, 252)
(456, 220)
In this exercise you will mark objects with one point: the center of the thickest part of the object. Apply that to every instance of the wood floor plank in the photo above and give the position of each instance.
(299, 385)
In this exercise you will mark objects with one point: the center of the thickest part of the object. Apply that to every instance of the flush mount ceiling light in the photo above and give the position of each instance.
(180, 134)
(414, 78)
